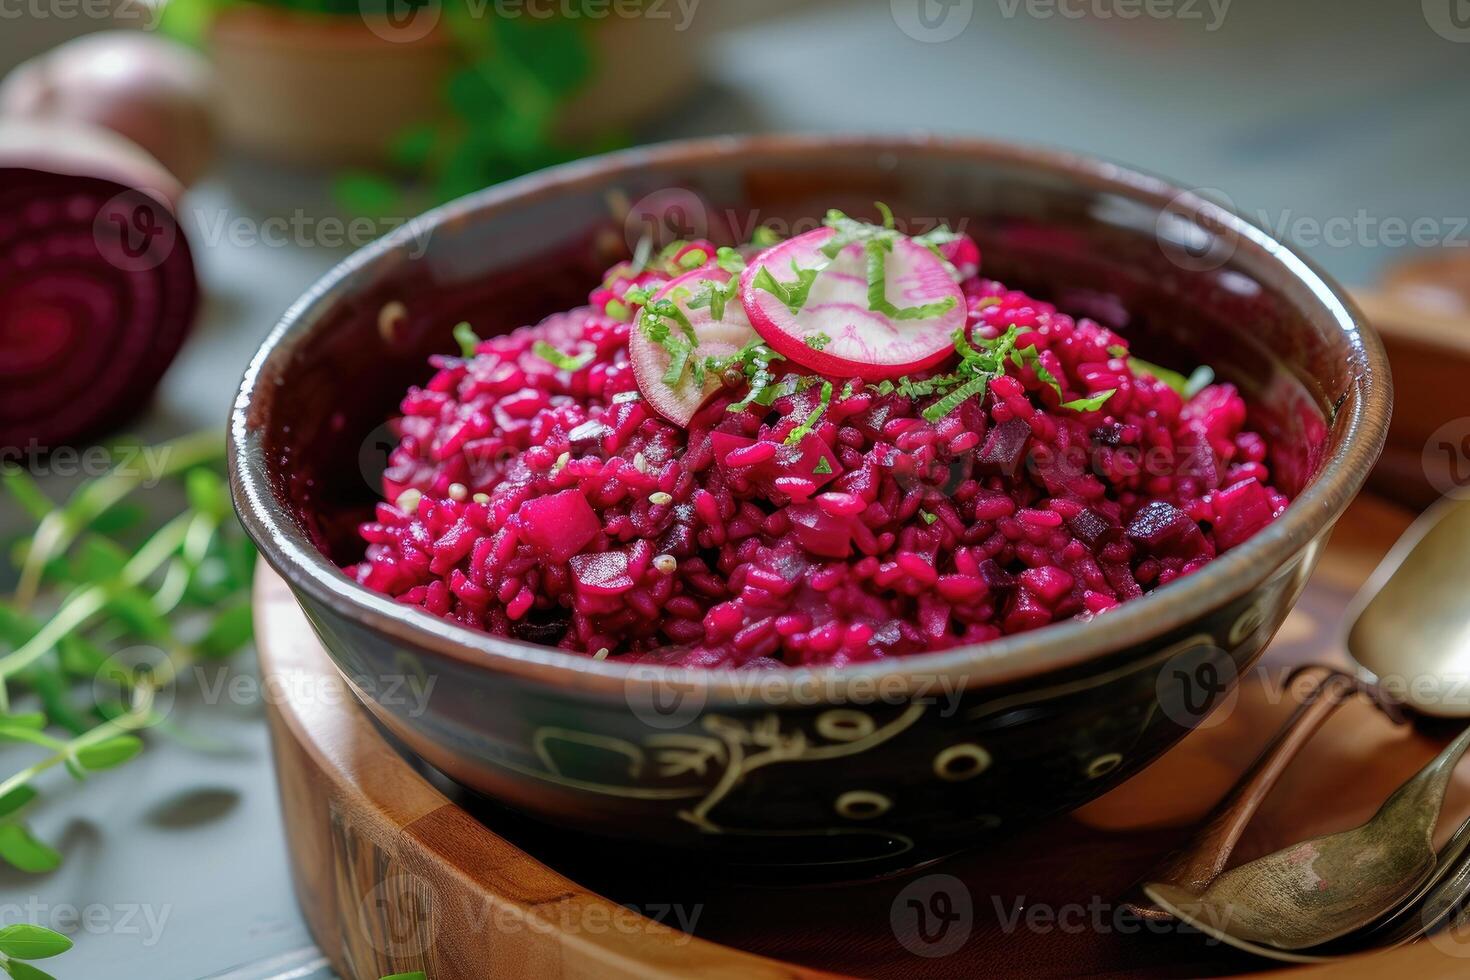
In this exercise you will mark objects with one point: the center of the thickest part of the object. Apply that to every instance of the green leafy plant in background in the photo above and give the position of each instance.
(19, 943)
(512, 75)
(96, 577)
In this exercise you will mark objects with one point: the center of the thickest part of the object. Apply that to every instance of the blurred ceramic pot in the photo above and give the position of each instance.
(334, 90)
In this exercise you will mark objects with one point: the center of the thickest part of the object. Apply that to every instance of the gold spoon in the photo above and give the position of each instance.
(1410, 632)
(1322, 889)
(1410, 635)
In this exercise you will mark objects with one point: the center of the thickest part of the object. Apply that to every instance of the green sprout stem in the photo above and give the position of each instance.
(60, 528)
(135, 718)
(78, 608)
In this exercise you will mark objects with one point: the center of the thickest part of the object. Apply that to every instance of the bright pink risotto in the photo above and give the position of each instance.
(833, 449)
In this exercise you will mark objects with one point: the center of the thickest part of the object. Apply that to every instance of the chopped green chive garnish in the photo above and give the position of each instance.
(823, 467)
(678, 359)
(693, 259)
(1168, 376)
(977, 368)
(764, 237)
(754, 361)
(878, 289)
(975, 386)
(792, 294)
(1202, 377)
(654, 322)
(878, 241)
(564, 362)
(1090, 404)
(810, 422)
(665, 310)
(817, 341)
(730, 260)
(716, 296)
(464, 335)
(928, 517)
(1031, 357)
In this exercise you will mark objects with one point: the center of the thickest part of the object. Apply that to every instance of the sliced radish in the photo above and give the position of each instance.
(835, 332)
(717, 338)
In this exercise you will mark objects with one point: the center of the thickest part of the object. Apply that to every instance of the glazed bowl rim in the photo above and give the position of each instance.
(1057, 646)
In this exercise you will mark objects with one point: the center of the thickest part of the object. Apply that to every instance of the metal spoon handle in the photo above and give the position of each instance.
(1202, 860)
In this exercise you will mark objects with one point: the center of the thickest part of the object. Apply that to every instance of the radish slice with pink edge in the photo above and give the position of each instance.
(836, 333)
(717, 338)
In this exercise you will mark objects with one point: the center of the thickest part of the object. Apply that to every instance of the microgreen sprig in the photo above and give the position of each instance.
(90, 585)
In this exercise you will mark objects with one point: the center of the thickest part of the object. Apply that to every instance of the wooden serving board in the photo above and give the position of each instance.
(398, 870)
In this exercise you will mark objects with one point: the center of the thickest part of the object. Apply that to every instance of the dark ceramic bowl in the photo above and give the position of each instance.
(851, 771)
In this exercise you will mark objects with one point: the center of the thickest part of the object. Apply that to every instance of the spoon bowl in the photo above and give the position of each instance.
(1410, 624)
(1311, 893)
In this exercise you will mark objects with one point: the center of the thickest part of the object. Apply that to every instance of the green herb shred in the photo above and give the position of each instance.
(560, 360)
(810, 422)
(878, 300)
(465, 336)
(793, 295)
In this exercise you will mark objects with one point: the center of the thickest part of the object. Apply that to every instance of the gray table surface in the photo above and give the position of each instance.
(1335, 122)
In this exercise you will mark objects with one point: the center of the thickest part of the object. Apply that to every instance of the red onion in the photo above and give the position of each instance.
(97, 283)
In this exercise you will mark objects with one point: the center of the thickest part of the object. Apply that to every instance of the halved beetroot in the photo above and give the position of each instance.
(97, 283)
(717, 338)
(836, 332)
